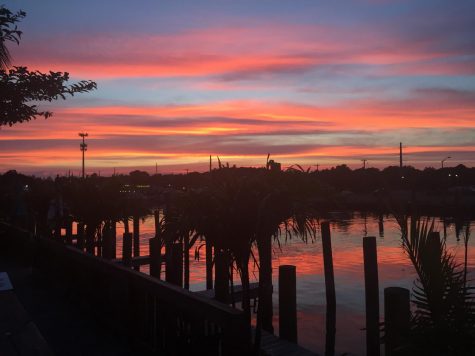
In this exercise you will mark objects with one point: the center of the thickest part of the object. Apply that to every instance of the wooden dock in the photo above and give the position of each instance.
(272, 345)
(18, 334)
(156, 315)
(235, 294)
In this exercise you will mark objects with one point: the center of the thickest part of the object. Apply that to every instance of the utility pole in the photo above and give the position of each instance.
(400, 154)
(364, 163)
(210, 167)
(83, 148)
(156, 168)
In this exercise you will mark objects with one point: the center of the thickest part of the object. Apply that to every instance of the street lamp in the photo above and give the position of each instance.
(445, 159)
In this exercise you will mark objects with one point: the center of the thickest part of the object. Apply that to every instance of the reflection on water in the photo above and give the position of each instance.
(347, 231)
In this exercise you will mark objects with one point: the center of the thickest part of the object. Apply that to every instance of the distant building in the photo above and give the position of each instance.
(274, 166)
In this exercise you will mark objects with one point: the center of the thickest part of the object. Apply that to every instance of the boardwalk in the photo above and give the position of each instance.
(19, 335)
(235, 295)
(271, 345)
(138, 305)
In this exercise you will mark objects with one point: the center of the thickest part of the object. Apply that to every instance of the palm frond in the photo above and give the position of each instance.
(444, 317)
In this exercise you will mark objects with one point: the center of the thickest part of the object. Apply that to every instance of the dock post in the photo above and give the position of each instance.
(57, 228)
(371, 296)
(221, 275)
(100, 243)
(136, 227)
(80, 236)
(288, 303)
(90, 232)
(396, 317)
(209, 264)
(434, 249)
(113, 237)
(156, 215)
(330, 317)
(186, 261)
(127, 249)
(264, 246)
(69, 231)
(155, 257)
(174, 270)
(381, 225)
(109, 240)
(106, 229)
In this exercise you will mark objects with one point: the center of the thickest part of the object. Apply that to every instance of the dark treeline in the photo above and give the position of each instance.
(337, 178)
(337, 188)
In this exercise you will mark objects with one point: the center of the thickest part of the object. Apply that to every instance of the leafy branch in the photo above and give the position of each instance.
(19, 86)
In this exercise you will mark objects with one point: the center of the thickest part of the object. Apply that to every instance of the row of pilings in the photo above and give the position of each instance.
(219, 278)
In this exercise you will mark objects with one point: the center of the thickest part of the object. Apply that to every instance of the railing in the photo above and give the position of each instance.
(157, 316)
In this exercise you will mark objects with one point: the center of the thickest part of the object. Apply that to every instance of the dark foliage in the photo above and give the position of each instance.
(8, 32)
(443, 322)
(20, 88)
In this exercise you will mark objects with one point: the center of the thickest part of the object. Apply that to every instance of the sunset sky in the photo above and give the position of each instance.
(308, 81)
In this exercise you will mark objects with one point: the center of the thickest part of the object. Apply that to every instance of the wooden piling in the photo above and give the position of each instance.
(155, 257)
(57, 228)
(90, 234)
(371, 296)
(288, 303)
(265, 283)
(209, 265)
(100, 243)
(174, 270)
(109, 240)
(105, 239)
(434, 247)
(381, 225)
(329, 289)
(221, 270)
(80, 236)
(156, 215)
(136, 227)
(396, 318)
(69, 231)
(127, 249)
(113, 239)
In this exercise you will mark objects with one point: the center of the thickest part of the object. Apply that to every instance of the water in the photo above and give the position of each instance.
(347, 232)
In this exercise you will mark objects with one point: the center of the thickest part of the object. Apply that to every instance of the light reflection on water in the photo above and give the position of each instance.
(347, 232)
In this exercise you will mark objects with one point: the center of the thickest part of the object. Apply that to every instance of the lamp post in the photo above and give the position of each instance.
(364, 163)
(445, 159)
(83, 148)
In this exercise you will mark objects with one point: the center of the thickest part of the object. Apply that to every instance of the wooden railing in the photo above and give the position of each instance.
(157, 316)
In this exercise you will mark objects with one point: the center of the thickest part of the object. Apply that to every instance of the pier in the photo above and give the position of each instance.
(154, 315)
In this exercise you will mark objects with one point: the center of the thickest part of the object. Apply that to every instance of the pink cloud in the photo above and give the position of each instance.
(238, 52)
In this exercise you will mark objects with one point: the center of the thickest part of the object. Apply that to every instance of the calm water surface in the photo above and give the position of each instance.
(347, 231)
